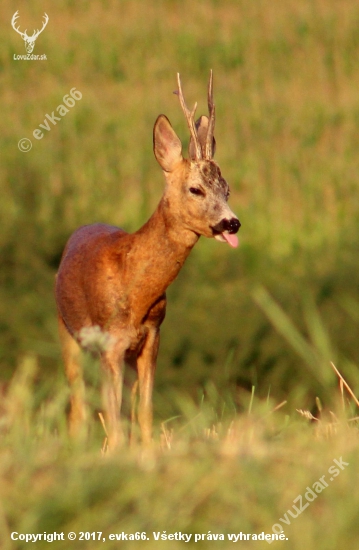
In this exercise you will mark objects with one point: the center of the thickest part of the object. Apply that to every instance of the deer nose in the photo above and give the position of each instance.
(233, 225)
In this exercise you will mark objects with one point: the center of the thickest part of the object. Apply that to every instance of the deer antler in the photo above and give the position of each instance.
(24, 34)
(212, 118)
(13, 21)
(190, 120)
(36, 33)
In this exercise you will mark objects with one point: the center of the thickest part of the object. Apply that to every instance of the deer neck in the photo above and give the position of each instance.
(158, 251)
(164, 244)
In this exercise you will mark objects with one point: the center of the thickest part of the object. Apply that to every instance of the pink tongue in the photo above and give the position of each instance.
(231, 238)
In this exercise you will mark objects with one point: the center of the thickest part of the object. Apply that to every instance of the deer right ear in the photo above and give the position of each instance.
(167, 146)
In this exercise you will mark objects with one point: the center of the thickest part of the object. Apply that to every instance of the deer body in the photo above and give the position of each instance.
(117, 281)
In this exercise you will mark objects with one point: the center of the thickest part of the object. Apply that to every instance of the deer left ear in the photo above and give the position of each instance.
(167, 146)
(202, 129)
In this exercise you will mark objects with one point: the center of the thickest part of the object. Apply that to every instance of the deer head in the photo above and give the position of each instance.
(196, 190)
(29, 40)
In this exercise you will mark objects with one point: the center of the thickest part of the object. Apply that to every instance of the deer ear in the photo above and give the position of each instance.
(202, 129)
(166, 144)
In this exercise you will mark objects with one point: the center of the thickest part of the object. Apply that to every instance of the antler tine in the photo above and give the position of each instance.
(212, 119)
(190, 120)
(46, 17)
(14, 18)
(13, 22)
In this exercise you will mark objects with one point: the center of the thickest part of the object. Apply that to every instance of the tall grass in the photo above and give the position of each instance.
(210, 472)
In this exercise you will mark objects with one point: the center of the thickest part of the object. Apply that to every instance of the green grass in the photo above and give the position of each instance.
(270, 315)
(210, 471)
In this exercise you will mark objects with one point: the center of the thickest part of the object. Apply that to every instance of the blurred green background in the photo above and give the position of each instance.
(271, 314)
(287, 96)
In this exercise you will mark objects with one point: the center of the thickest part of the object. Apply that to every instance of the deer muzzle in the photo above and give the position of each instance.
(225, 231)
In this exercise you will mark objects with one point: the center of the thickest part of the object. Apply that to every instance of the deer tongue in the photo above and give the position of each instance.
(231, 238)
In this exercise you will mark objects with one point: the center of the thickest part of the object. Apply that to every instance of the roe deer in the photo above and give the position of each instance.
(117, 281)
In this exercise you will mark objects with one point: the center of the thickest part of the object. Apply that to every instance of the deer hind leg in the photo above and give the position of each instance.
(146, 366)
(71, 352)
(112, 361)
(134, 392)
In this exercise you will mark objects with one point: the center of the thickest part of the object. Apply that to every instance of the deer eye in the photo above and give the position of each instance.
(196, 191)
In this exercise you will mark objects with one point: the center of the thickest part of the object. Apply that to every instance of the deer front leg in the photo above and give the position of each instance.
(146, 366)
(113, 365)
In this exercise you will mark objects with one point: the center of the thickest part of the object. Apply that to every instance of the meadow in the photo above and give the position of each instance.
(250, 333)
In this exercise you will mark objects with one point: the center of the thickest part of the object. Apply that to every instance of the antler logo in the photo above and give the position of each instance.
(29, 40)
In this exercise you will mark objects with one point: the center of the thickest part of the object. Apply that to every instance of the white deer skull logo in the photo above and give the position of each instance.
(29, 40)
